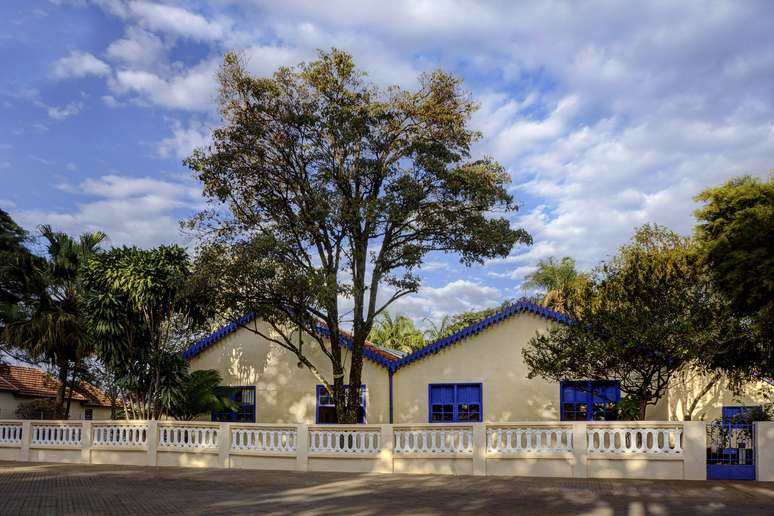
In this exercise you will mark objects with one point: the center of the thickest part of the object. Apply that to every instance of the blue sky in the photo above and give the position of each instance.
(606, 116)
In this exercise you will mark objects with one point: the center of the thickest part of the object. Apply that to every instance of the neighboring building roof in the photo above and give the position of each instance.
(34, 383)
(392, 359)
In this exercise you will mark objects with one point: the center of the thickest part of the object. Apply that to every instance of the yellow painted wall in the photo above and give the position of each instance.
(493, 358)
(286, 393)
(684, 388)
(9, 402)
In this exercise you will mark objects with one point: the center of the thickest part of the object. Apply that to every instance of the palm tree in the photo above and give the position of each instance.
(436, 331)
(54, 328)
(560, 281)
(397, 333)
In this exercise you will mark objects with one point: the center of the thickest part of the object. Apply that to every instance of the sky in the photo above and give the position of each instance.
(607, 116)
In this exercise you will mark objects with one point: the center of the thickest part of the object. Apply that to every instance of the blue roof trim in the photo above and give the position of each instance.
(393, 365)
(202, 344)
(478, 326)
(231, 327)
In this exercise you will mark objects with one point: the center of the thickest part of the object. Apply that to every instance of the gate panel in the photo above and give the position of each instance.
(730, 449)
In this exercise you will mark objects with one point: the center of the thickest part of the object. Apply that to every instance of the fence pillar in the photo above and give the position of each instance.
(153, 442)
(479, 449)
(387, 453)
(302, 447)
(24, 450)
(694, 450)
(86, 438)
(580, 450)
(764, 451)
(224, 445)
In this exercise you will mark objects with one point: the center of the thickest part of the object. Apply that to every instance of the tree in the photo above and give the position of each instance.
(560, 282)
(143, 310)
(645, 315)
(736, 239)
(53, 327)
(18, 285)
(198, 395)
(396, 333)
(437, 331)
(325, 189)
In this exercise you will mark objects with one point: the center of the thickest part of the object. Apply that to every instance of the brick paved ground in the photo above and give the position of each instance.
(27, 488)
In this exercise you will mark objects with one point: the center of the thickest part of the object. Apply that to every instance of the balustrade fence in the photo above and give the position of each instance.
(574, 449)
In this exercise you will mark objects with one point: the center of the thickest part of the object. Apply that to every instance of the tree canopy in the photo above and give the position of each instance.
(643, 316)
(52, 326)
(326, 193)
(560, 283)
(736, 245)
(142, 311)
(19, 284)
(396, 332)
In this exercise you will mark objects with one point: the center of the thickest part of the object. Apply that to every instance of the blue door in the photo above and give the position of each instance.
(731, 448)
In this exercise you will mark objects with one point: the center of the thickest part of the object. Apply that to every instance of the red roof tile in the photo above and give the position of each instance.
(32, 382)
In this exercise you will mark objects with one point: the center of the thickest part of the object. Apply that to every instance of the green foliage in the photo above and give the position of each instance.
(736, 237)
(324, 187)
(142, 310)
(198, 395)
(397, 333)
(40, 409)
(463, 319)
(560, 283)
(643, 316)
(18, 285)
(53, 327)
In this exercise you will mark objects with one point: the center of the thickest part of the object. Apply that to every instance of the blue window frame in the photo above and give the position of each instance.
(325, 413)
(590, 400)
(244, 398)
(455, 402)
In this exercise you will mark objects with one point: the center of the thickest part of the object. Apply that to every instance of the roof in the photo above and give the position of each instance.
(391, 359)
(477, 327)
(380, 355)
(34, 383)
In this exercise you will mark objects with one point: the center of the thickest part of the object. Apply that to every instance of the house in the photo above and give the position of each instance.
(20, 384)
(476, 374)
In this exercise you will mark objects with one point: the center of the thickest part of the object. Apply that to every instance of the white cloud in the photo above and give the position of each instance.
(193, 90)
(79, 64)
(178, 21)
(139, 48)
(140, 211)
(454, 297)
(60, 113)
(110, 101)
(184, 140)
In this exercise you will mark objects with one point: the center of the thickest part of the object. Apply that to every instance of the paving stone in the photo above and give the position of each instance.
(69, 489)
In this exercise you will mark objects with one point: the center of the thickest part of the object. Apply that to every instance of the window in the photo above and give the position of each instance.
(88, 414)
(244, 400)
(589, 400)
(452, 402)
(326, 407)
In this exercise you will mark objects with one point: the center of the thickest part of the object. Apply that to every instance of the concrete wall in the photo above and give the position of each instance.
(285, 392)
(492, 358)
(186, 444)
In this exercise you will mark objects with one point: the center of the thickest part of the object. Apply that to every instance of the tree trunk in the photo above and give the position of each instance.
(62, 387)
(643, 409)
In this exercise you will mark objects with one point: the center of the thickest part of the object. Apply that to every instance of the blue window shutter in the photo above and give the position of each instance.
(442, 394)
(468, 393)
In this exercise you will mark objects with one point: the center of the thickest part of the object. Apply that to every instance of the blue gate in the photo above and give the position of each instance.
(730, 446)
